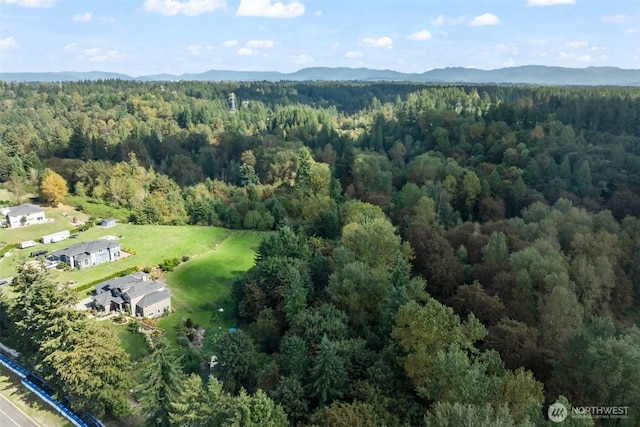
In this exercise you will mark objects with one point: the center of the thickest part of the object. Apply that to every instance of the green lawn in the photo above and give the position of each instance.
(150, 243)
(35, 232)
(201, 287)
(133, 343)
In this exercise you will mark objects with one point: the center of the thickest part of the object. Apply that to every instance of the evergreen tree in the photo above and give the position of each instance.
(328, 376)
(163, 382)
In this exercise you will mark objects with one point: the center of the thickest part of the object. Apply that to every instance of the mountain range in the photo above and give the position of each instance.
(529, 74)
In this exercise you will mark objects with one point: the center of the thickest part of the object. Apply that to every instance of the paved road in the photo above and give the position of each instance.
(10, 416)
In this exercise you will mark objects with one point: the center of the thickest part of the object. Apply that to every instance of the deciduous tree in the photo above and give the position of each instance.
(53, 187)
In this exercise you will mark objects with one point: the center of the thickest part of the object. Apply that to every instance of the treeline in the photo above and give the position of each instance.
(524, 144)
(443, 255)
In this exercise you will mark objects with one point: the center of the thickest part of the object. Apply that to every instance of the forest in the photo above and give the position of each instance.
(439, 255)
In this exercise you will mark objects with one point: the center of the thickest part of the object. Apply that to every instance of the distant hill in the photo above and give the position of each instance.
(529, 74)
(62, 76)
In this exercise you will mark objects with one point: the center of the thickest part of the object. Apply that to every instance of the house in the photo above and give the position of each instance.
(87, 254)
(107, 222)
(24, 214)
(55, 237)
(135, 293)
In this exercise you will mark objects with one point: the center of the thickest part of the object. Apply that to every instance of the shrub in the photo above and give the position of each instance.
(169, 264)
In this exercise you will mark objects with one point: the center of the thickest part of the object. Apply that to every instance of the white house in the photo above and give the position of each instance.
(87, 254)
(24, 214)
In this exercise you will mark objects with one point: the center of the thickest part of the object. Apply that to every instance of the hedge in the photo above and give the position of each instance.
(112, 276)
(8, 248)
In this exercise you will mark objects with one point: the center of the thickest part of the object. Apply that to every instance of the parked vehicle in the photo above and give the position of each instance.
(27, 244)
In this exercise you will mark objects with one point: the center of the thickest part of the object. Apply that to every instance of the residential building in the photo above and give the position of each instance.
(24, 214)
(87, 254)
(135, 293)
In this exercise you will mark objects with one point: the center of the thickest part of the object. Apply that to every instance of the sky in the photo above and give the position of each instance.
(146, 37)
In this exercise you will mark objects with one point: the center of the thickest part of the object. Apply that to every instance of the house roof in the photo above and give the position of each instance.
(123, 282)
(85, 248)
(143, 288)
(153, 298)
(25, 209)
(103, 299)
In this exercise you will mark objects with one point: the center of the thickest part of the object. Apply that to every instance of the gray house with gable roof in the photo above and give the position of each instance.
(87, 254)
(135, 293)
(24, 214)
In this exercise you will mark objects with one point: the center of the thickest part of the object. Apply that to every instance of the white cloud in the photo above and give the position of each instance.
(538, 42)
(264, 9)
(385, 42)
(196, 49)
(573, 57)
(8, 43)
(598, 49)
(509, 63)
(30, 3)
(91, 52)
(617, 19)
(110, 56)
(438, 22)
(507, 47)
(548, 2)
(632, 31)
(485, 19)
(442, 20)
(96, 54)
(188, 8)
(577, 43)
(353, 54)
(420, 36)
(83, 17)
(302, 59)
(230, 43)
(260, 43)
(245, 51)
(71, 46)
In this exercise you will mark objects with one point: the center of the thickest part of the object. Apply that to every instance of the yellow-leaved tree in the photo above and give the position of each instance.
(53, 187)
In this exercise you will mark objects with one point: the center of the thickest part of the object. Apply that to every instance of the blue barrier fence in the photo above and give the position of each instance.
(29, 381)
(59, 407)
(13, 366)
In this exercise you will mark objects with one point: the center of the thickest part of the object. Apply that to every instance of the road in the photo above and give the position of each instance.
(10, 416)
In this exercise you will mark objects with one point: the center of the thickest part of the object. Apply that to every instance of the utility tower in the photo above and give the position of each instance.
(232, 99)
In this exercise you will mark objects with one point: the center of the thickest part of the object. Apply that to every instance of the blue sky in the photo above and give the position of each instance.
(140, 37)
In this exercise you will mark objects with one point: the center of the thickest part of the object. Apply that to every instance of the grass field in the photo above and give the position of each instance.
(201, 287)
(150, 243)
